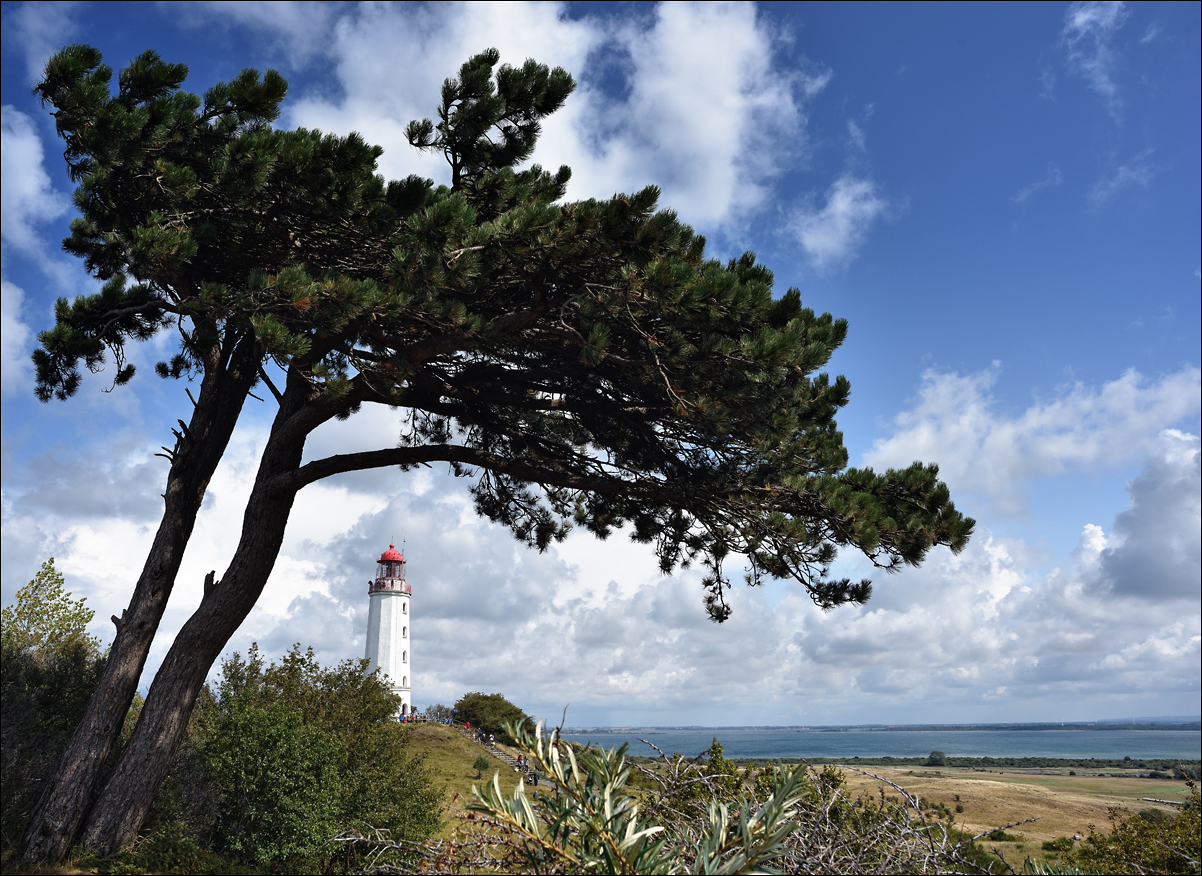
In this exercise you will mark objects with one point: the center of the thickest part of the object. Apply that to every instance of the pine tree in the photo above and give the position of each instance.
(584, 361)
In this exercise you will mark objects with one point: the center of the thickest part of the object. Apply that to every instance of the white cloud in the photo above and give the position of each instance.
(26, 194)
(1089, 28)
(832, 234)
(1156, 547)
(1136, 172)
(708, 117)
(977, 635)
(301, 29)
(1051, 179)
(39, 29)
(27, 200)
(954, 423)
(15, 341)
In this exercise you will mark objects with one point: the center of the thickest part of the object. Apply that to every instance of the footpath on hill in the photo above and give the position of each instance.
(450, 752)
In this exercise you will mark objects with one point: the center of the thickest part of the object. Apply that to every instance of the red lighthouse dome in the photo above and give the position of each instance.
(390, 572)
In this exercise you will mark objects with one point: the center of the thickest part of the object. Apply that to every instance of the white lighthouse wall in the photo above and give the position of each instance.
(373, 632)
(388, 642)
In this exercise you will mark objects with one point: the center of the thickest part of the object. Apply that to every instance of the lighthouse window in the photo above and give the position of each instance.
(404, 632)
(405, 608)
(404, 656)
(404, 681)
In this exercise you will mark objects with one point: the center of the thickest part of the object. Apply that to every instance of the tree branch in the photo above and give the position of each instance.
(340, 464)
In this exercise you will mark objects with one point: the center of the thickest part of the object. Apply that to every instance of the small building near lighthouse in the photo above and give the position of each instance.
(388, 618)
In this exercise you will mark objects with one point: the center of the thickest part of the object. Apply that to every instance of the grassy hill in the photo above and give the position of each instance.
(449, 755)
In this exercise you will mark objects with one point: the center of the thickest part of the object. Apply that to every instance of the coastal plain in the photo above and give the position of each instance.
(1064, 805)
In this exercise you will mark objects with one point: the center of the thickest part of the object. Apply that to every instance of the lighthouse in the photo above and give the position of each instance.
(388, 626)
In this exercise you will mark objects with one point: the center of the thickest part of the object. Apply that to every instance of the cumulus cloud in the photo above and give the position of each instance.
(1155, 550)
(1089, 29)
(833, 233)
(26, 195)
(979, 635)
(955, 423)
(15, 341)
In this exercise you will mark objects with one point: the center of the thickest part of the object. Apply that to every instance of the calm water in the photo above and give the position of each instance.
(1138, 744)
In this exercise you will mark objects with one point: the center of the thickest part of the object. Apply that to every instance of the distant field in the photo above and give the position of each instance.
(1065, 805)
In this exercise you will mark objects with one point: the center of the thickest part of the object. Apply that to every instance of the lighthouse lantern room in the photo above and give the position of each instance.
(388, 626)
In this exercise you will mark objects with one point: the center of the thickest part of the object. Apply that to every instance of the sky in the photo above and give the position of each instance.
(1001, 199)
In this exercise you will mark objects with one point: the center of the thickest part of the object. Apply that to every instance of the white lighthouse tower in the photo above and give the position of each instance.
(388, 626)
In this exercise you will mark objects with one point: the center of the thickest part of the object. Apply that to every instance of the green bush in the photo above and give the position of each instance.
(299, 753)
(279, 781)
(1060, 844)
(1142, 844)
(489, 712)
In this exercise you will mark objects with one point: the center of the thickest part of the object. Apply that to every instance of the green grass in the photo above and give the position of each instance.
(449, 756)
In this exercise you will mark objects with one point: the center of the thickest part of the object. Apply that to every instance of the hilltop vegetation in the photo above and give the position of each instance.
(278, 757)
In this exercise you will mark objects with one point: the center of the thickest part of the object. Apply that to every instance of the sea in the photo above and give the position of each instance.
(774, 743)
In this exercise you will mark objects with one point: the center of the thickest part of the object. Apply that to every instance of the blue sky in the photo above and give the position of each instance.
(1003, 201)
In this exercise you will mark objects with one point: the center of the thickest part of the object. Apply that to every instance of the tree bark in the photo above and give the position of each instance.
(54, 822)
(122, 806)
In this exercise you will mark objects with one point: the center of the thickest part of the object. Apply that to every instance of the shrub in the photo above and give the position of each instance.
(1060, 844)
(1167, 843)
(297, 752)
(490, 712)
(936, 758)
(279, 781)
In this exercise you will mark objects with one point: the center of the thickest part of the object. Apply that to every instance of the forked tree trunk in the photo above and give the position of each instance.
(123, 804)
(55, 821)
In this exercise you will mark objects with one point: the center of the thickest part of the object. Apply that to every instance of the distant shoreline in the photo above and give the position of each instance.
(894, 728)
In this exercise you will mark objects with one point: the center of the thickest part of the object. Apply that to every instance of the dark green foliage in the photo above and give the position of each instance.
(49, 666)
(480, 764)
(1058, 845)
(585, 360)
(482, 126)
(490, 713)
(279, 783)
(724, 773)
(299, 752)
(936, 758)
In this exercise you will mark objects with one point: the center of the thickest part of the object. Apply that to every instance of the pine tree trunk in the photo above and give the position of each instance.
(54, 823)
(122, 806)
